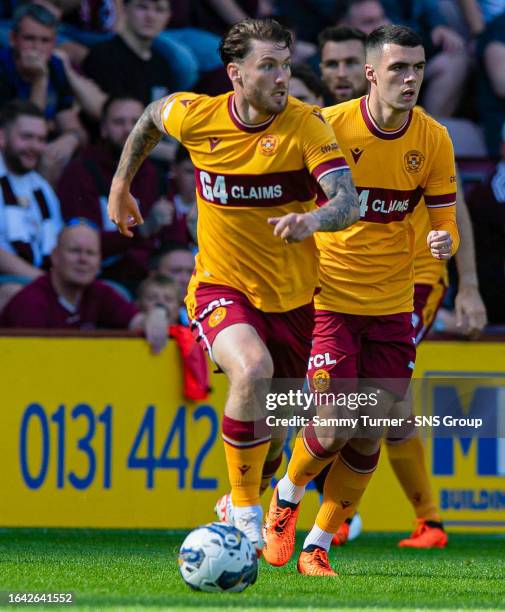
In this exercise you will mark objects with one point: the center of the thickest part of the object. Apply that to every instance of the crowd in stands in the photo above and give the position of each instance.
(75, 76)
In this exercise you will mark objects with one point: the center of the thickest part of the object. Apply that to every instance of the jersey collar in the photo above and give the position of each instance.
(375, 129)
(245, 127)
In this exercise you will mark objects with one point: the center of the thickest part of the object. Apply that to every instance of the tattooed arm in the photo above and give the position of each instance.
(340, 211)
(146, 134)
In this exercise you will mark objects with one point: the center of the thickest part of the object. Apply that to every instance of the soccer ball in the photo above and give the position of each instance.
(218, 557)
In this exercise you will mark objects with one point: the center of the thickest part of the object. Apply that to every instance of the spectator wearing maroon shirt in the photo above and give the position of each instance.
(70, 297)
(84, 187)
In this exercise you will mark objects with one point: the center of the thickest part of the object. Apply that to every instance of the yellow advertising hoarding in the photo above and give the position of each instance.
(96, 433)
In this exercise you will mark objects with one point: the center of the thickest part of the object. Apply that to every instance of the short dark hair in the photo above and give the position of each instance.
(17, 108)
(36, 12)
(113, 99)
(392, 34)
(340, 34)
(168, 246)
(309, 78)
(162, 280)
(236, 43)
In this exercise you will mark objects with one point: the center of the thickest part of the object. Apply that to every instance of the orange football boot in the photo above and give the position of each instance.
(428, 534)
(342, 535)
(279, 532)
(315, 563)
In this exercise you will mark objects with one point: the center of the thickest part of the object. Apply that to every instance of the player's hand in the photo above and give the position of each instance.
(440, 244)
(447, 39)
(294, 227)
(123, 209)
(471, 317)
(156, 329)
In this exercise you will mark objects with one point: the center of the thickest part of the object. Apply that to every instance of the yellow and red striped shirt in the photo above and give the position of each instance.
(244, 175)
(368, 268)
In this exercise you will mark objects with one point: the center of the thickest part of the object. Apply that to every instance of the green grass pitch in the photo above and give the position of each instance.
(137, 570)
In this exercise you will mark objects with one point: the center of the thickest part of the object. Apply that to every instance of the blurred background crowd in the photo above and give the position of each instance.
(76, 75)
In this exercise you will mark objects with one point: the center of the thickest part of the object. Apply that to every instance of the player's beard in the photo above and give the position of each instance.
(265, 103)
(355, 92)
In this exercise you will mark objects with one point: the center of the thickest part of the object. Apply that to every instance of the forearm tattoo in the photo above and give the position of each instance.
(146, 134)
(342, 208)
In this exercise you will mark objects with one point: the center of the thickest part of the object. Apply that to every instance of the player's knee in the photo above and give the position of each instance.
(253, 370)
(258, 368)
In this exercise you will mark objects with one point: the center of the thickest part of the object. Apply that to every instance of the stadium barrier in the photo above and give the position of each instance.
(95, 433)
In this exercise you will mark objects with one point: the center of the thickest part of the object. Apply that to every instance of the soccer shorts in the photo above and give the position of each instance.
(349, 347)
(427, 301)
(287, 335)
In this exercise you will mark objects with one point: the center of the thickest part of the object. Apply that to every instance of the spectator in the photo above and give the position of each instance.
(163, 291)
(219, 15)
(30, 71)
(30, 216)
(306, 86)
(177, 261)
(183, 227)
(447, 64)
(478, 13)
(69, 296)
(85, 185)
(491, 85)
(9, 286)
(306, 17)
(93, 21)
(487, 208)
(200, 43)
(342, 50)
(127, 64)
(364, 15)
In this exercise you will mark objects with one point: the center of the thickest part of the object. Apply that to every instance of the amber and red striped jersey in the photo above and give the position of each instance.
(244, 175)
(368, 268)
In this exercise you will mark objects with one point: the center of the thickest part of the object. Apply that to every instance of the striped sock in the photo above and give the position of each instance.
(408, 462)
(344, 486)
(308, 458)
(246, 446)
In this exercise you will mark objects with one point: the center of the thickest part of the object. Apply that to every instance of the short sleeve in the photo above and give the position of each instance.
(440, 189)
(175, 111)
(320, 149)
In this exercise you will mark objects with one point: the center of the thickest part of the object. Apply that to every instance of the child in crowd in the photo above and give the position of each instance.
(160, 290)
